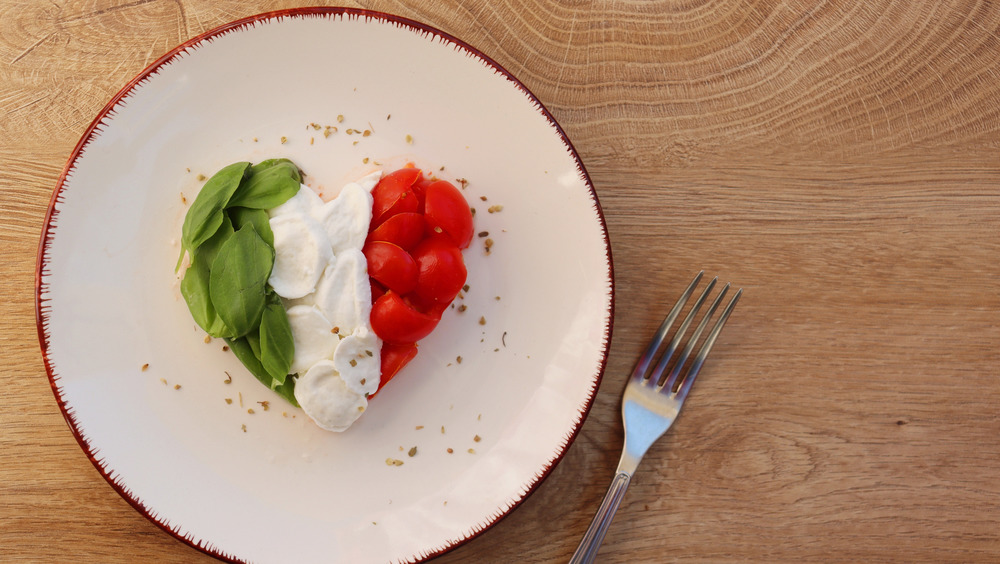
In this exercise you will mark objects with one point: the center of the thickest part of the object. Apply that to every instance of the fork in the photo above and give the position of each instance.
(651, 402)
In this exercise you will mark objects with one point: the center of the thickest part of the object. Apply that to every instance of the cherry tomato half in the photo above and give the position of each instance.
(430, 306)
(390, 265)
(394, 194)
(403, 229)
(420, 187)
(396, 321)
(394, 357)
(442, 270)
(413, 249)
(447, 211)
(377, 289)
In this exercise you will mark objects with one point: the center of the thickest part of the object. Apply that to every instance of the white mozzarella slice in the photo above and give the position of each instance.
(326, 399)
(357, 361)
(344, 294)
(313, 336)
(346, 218)
(369, 182)
(305, 202)
(306, 300)
(322, 277)
(301, 252)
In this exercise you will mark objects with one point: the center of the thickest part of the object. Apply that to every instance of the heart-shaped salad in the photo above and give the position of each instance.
(323, 301)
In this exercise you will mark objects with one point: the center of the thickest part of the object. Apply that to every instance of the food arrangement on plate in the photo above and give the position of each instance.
(323, 301)
(297, 285)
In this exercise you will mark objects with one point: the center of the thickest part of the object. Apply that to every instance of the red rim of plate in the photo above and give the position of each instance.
(41, 309)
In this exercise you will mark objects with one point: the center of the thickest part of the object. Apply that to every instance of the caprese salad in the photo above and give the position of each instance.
(323, 301)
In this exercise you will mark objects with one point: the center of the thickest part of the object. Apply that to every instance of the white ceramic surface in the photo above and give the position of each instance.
(283, 490)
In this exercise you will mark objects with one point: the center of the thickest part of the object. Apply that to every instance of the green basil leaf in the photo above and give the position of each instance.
(276, 344)
(195, 285)
(205, 216)
(266, 164)
(271, 183)
(241, 216)
(253, 339)
(241, 348)
(287, 391)
(238, 280)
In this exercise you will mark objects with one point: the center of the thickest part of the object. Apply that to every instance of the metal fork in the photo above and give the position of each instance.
(651, 402)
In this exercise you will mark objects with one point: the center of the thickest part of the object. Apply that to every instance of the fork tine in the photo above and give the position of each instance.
(661, 366)
(671, 381)
(699, 359)
(661, 334)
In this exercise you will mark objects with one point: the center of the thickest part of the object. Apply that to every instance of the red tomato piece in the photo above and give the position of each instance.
(377, 289)
(403, 229)
(447, 211)
(441, 271)
(428, 305)
(394, 357)
(396, 321)
(394, 194)
(392, 266)
(420, 187)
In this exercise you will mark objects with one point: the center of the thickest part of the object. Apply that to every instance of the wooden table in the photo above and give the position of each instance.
(839, 160)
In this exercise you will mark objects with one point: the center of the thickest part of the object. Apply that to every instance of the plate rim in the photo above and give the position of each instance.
(42, 308)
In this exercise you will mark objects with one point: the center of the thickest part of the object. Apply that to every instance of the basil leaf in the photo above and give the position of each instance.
(241, 216)
(244, 353)
(276, 344)
(268, 163)
(195, 285)
(287, 391)
(238, 281)
(227, 234)
(205, 216)
(253, 339)
(271, 183)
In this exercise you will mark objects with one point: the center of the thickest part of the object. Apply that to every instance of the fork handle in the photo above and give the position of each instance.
(592, 539)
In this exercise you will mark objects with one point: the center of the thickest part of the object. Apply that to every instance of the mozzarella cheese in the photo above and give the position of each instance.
(357, 361)
(344, 293)
(312, 335)
(322, 277)
(340, 407)
(305, 202)
(302, 251)
(347, 217)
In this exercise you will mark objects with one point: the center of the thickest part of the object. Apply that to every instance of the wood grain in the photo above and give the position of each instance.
(838, 160)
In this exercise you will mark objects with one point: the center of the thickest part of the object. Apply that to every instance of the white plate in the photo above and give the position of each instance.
(283, 490)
